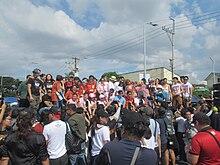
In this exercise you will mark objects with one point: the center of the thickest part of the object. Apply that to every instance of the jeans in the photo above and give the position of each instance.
(78, 159)
(63, 160)
(35, 104)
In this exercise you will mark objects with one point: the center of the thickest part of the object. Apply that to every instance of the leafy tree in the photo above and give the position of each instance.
(206, 94)
(109, 74)
(9, 86)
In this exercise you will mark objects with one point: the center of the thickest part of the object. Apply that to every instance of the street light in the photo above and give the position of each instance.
(145, 45)
(213, 69)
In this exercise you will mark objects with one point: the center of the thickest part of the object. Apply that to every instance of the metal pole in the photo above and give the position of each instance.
(213, 69)
(172, 40)
(173, 33)
(2, 85)
(145, 54)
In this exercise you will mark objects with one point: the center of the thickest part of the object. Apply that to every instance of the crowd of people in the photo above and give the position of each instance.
(108, 122)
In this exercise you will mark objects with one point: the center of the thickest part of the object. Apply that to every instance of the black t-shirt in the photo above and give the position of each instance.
(215, 121)
(45, 98)
(48, 85)
(122, 152)
(31, 151)
(36, 83)
(163, 130)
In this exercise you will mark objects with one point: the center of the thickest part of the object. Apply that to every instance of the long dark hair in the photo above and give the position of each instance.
(94, 121)
(52, 80)
(25, 121)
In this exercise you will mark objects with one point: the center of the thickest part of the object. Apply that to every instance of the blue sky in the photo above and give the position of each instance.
(107, 35)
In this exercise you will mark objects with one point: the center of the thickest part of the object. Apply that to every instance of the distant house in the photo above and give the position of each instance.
(210, 79)
(160, 72)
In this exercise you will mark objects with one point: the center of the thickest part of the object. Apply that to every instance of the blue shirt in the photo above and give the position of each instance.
(122, 99)
(121, 153)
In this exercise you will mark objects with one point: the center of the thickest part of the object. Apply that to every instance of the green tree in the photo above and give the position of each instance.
(9, 86)
(109, 74)
(206, 94)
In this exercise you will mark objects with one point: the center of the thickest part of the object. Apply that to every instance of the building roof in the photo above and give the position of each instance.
(146, 70)
(211, 74)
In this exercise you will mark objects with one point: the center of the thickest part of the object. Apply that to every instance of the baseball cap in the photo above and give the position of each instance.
(92, 95)
(161, 111)
(147, 110)
(102, 96)
(84, 80)
(130, 119)
(54, 110)
(102, 113)
(36, 70)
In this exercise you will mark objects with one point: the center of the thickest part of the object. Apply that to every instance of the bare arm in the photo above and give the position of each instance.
(2, 112)
(40, 91)
(159, 144)
(191, 91)
(45, 162)
(48, 104)
(4, 160)
(193, 159)
(29, 93)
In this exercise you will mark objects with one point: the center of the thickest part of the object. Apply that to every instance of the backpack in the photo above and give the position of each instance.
(73, 142)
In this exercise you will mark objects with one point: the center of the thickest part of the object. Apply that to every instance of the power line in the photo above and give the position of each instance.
(136, 40)
(132, 40)
(125, 47)
(162, 20)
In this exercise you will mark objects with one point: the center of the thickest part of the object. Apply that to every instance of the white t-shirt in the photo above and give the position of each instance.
(180, 124)
(152, 128)
(54, 133)
(83, 102)
(136, 101)
(111, 85)
(176, 89)
(149, 143)
(103, 88)
(101, 135)
(186, 89)
(102, 102)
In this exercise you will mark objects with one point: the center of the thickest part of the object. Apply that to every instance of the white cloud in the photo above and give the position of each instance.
(50, 37)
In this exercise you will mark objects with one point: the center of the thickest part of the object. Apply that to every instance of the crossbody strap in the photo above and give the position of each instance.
(136, 156)
(67, 127)
(214, 138)
(155, 128)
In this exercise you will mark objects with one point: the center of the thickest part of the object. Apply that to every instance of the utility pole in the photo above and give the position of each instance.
(75, 69)
(171, 38)
(73, 65)
(145, 50)
(213, 69)
(1, 87)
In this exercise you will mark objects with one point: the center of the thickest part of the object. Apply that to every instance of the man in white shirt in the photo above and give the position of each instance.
(187, 91)
(176, 92)
(54, 134)
(112, 82)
